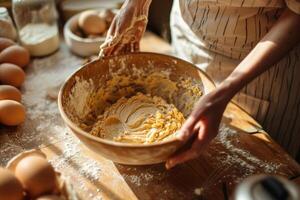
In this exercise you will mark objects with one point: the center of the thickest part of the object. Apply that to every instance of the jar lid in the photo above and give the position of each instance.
(266, 187)
(271, 188)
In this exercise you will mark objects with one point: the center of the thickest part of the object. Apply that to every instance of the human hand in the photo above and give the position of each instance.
(127, 28)
(202, 125)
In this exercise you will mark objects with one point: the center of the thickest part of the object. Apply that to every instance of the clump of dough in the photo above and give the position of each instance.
(139, 119)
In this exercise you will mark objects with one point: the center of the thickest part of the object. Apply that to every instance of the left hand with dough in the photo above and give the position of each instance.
(127, 28)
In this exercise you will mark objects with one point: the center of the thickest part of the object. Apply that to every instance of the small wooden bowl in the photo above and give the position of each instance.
(124, 153)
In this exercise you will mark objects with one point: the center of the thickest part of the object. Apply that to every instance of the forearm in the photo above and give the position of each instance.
(141, 6)
(281, 38)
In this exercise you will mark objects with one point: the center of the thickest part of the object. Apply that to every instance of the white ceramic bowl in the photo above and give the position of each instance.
(81, 46)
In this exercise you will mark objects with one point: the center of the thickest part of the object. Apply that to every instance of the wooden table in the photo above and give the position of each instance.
(242, 148)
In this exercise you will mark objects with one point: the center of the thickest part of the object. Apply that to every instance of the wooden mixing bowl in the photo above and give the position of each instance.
(124, 153)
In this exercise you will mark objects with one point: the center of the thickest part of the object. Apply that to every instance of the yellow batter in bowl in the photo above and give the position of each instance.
(139, 119)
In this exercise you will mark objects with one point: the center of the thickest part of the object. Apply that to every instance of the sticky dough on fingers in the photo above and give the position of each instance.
(115, 44)
(119, 37)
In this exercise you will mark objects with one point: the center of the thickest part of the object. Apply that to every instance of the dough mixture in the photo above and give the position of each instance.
(139, 119)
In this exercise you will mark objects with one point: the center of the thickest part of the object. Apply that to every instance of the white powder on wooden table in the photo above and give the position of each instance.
(233, 159)
(240, 156)
(71, 155)
(141, 179)
(85, 170)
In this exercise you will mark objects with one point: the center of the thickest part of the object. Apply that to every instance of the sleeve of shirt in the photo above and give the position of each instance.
(293, 5)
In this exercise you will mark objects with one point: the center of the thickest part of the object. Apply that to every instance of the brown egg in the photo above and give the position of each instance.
(12, 113)
(36, 175)
(5, 42)
(11, 74)
(16, 55)
(107, 15)
(10, 186)
(9, 92)
(91, 23)
(50, 197)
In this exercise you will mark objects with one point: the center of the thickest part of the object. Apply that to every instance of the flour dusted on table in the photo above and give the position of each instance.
(40, 39)
(245, 158)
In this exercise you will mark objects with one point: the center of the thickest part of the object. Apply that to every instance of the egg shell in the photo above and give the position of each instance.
(11, 74)
(5, 42)
(8, 92)
(50, 197)
(36, 175)
(10, 186)
(12, 113)
(16, 55)
(91, 23)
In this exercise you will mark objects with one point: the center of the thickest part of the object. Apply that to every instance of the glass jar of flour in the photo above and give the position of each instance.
(36, 22)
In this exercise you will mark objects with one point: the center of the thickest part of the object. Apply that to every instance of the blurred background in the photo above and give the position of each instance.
(159, 14)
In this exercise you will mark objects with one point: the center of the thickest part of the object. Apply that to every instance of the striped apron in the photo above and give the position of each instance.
(217, 34)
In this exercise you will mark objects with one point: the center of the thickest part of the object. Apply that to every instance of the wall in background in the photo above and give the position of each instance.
(159, 18)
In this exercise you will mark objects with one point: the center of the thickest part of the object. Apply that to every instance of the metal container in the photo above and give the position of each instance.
(265, 187)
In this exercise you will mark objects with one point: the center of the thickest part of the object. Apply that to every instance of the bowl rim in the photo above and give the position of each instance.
(77, 129)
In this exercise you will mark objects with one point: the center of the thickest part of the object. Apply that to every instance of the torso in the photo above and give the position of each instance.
(230, 27)
(217, 34)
